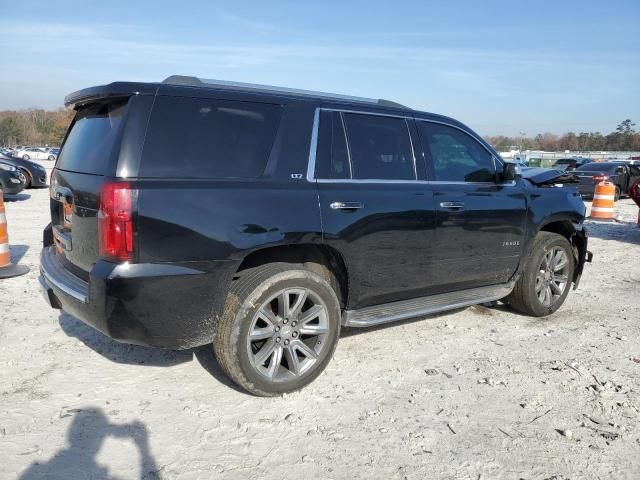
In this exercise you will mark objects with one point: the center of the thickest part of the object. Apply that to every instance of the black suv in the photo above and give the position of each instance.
(262, 219)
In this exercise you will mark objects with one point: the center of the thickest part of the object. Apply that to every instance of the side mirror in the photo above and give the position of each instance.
(510, 172)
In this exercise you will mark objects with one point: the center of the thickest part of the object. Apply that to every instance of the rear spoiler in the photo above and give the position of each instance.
(111, 90)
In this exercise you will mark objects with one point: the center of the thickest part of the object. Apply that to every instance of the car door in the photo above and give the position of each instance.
(480, 220)
(374, 210)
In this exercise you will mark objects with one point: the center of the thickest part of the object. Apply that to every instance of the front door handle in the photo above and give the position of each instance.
(452, 205)
(346, 205)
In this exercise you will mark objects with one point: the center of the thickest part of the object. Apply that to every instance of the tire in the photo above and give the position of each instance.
(528, 295)
(617, 194)
(52, 158)
(26, 157)
(28, 178)
(255, 305)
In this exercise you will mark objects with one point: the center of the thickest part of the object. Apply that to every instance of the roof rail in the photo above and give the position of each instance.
(191, 81)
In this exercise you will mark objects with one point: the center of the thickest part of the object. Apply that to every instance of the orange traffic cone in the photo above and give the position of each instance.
(7, 269)
(604, 202)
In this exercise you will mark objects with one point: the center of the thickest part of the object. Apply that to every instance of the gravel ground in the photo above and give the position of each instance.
(475, 393)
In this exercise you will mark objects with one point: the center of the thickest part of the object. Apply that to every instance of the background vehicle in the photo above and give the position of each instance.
(34, 173)
(33, 153)
(310, 212)
(12, 181)
(570, 163)
(621, 174)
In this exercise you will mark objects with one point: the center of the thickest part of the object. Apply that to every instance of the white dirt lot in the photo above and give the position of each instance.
(479, 393)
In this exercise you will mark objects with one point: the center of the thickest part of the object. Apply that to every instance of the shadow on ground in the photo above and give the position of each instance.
(17, 252)
(121, 352)
(88, 430)
(139, 355)
(18, 197)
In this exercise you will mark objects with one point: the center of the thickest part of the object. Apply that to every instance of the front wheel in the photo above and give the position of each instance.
(52, 158)
(27, 177)
(26, 157)
(279, 329)
(546, 278)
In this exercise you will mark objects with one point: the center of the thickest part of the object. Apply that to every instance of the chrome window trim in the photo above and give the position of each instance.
(412, 182)
(313, 150)
(361, 112)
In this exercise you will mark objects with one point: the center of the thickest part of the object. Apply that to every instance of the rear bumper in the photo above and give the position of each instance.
(161, 305)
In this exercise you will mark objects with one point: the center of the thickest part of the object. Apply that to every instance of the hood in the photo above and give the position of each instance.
(548, 176)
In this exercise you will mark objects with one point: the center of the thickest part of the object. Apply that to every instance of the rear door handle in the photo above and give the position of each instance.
(346, 205)
(452, 205)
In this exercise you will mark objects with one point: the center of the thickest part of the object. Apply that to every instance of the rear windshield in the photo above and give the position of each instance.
(208, 138)
(92, 138)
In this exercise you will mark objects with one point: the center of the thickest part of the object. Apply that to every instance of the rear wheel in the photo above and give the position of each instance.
(279, 328)
(617, 194)
(546, 278)
(26, 157)
(52, 158)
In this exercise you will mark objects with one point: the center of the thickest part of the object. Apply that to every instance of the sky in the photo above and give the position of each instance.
(502, 67)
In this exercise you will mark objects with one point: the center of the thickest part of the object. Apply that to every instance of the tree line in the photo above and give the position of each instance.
(39, 127)
(624, 138)
(34, 127)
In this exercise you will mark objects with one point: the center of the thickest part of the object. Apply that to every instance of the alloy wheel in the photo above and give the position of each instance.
(552, 278)
(288, 334)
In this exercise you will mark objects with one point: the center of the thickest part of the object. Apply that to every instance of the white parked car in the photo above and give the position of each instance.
(34, 154)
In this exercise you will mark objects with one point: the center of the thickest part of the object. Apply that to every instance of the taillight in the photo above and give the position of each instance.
(115, 222)
(600, 178)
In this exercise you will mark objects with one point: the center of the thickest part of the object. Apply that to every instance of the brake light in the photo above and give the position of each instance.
(600, 178)
(115, 221)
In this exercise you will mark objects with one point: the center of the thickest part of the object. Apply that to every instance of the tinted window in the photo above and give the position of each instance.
(380, 147)
(92, 138)
(332, 160)
(208, 138)
(456, 156)
(597, 167)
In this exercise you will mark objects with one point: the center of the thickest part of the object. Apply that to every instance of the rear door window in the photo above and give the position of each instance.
(209, 138)
(379, 147)
(92, 138)
(332, 160)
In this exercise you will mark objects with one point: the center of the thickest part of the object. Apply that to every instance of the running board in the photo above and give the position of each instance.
(417, 307)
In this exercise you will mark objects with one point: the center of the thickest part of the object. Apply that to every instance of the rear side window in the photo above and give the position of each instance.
(456, 156)
(92, 138)
(380, 147)
(208, 138)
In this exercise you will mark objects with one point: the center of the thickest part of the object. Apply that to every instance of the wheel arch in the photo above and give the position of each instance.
(322, 259)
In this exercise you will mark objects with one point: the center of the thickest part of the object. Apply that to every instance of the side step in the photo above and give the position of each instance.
(417, 307)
